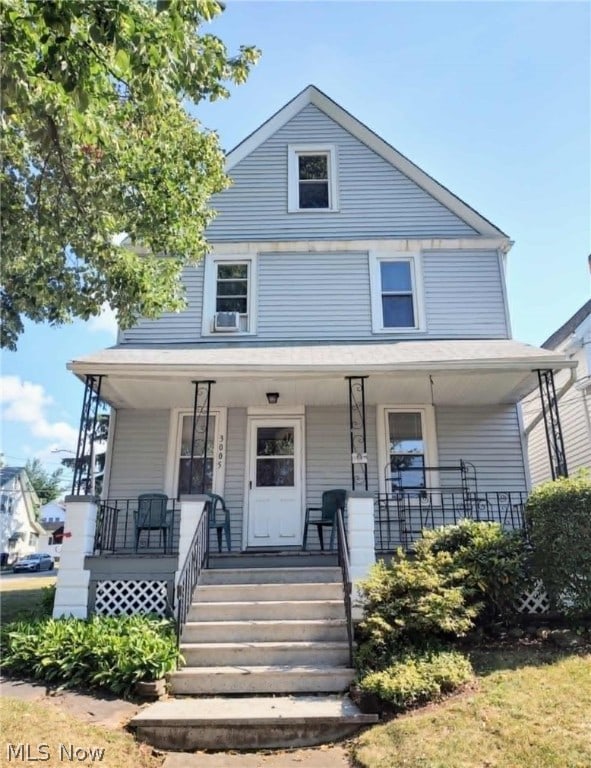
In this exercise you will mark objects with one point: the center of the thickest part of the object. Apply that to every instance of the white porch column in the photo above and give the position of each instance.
(71, 597)
(361, 538)
(191, 508)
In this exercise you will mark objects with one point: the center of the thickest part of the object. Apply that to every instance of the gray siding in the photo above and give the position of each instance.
(173, 327)
(328, 455)
(464, 294)
(376, 200)
(139, 453)
(314, 296)
(235, 469)
(490, 438)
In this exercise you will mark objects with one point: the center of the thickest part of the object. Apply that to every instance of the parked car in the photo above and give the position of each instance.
(34, 562)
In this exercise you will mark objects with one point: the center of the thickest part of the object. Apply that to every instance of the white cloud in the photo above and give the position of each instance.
(106, 322)
(25, 402)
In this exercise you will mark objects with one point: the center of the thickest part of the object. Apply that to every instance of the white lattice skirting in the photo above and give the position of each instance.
(117, 597)
(534, 600)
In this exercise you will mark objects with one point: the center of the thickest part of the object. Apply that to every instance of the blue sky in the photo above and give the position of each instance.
(492, 99)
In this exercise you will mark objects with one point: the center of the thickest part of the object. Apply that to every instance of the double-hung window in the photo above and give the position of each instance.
(228, 288)
(396, 293)
(312, 182)
(406, 450)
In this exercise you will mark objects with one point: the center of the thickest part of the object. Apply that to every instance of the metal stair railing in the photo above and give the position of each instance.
(343, 560)
(197, 558)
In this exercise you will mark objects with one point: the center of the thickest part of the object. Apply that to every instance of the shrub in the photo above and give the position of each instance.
(418, 678)
(415, 603)
(559, 518)
(47, 600)
(112, 653)
(493, 561)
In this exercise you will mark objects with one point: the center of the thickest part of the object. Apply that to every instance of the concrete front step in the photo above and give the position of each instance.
(270, 575)
(213, 593)
(246, 723)
(255, 653)
(266, 610)
(265, 631)
(240, 680)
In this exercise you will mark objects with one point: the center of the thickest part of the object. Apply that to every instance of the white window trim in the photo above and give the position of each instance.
(174, 449)
(209, 293)
(375, 281)
(429, 437)
(293, 193)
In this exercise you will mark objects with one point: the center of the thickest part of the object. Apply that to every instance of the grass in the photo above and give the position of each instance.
(530, 709)
(20, 598)
(44, 724)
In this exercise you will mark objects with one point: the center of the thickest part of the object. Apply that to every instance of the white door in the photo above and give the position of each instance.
(275, 483)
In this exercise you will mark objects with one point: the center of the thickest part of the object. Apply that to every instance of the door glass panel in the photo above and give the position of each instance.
(275, 464)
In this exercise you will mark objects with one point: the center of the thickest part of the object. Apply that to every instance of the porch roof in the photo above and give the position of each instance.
(247, 359)
(440, 372)
(231, 359)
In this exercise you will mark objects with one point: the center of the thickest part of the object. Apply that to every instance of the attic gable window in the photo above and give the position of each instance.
(312, 183)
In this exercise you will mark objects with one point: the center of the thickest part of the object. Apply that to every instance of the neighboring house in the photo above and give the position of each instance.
(573, 390)
(19, 530)
(348, 329)
(52, 512)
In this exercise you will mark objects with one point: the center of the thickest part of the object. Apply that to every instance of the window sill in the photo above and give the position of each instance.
(313, 210)
(398, 330)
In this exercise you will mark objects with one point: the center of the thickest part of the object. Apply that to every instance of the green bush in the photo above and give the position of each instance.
(493, 561)
(559, 518)
(47, 600)
(418, 678)
(415, 603)
(112, 653)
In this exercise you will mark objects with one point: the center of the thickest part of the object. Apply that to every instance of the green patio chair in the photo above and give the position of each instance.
(152, 515)
(331, 501)
(218, 521)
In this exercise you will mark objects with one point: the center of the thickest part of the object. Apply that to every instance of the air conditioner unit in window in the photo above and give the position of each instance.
(226, 322)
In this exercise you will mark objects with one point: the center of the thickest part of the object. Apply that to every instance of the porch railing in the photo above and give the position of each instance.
(195, 561)
(402, 515)
(117, 533)
(343, 559)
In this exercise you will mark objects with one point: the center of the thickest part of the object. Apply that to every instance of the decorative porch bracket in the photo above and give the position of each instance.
(83, 480)
(554, 438)
(358, 434)
(201, 408)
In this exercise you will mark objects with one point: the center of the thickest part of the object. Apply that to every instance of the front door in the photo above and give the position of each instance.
(275, 483)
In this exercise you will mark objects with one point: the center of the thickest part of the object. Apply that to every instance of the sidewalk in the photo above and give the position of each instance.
(113, 713)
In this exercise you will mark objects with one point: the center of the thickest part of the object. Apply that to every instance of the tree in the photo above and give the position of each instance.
(96, 142)
(96, 457)
(48, 486)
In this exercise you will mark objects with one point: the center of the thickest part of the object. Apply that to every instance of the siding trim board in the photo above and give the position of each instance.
(313, 96)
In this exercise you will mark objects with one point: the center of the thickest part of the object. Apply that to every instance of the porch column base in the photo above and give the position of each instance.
(361, 538)
(191, 508)
(71, 596)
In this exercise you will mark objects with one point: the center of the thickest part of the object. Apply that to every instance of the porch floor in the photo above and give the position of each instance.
(270, 559)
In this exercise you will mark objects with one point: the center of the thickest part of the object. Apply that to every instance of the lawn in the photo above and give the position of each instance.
(19, 598)
(529, 709)
(54, 734)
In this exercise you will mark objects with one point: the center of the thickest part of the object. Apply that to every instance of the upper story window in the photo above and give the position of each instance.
(228, 296)
(312, 183)
(396, 293)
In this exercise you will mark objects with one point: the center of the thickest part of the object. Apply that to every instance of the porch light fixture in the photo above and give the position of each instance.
(272, 398)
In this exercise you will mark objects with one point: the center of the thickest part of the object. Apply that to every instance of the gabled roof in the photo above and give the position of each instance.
(569, 327)
(312, 95)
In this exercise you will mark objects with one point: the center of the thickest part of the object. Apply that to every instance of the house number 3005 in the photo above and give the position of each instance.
(220, 452)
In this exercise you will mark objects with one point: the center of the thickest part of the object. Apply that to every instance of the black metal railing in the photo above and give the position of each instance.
(119, 530)
(343, 555)
(196, 560)
(401, 516)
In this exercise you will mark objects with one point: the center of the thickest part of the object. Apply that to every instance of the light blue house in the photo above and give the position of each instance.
(349, 329)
